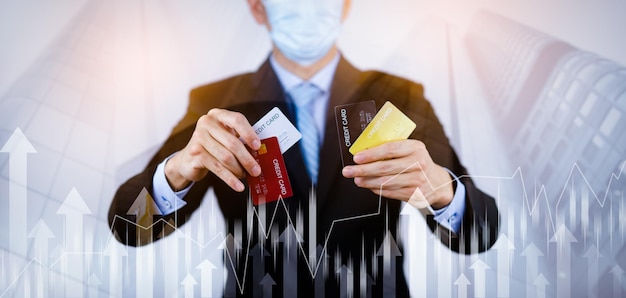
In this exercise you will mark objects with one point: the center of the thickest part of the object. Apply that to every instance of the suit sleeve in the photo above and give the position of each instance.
(123, 225)
(222, 94)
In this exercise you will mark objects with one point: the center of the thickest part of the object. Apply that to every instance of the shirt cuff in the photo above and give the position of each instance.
(165, 197)
(451, 216)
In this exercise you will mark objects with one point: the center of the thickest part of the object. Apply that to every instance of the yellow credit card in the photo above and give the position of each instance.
(389, 124)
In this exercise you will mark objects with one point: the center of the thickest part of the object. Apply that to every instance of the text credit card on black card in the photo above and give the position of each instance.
(351, 120)
(273, 183)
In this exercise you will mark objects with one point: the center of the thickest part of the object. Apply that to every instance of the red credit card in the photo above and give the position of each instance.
(273, 183)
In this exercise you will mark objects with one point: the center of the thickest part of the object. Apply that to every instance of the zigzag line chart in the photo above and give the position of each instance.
(555, 232)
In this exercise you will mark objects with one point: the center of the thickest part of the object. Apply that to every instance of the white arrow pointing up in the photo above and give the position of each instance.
(532, 254)
(115, 252)
(18, 148)
(74, 208)
(345, 276)
(617, 272)
(564, 240)
(173, 247)
(504, 246)
(540, 286)
(144, 208)
(41, 233)
(389, 250)
(592, 255)
(188, 283)
(267, 283)
(462, 282)
(206, 278)
(415, 252)
(479, 268)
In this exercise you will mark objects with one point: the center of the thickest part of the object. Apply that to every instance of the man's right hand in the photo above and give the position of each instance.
(218, 144)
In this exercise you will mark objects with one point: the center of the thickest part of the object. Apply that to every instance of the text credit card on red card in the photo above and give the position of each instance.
(273, 183)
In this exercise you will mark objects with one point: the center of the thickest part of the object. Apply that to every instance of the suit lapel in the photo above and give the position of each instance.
(343, 90)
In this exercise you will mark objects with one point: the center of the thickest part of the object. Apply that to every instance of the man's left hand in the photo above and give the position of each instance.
(401, 167)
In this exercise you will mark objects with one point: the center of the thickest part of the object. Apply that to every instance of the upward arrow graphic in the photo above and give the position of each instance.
(617, 272)
(443, 259)
(18, 148)
(42, 234)
(564, 239)
(267, 283)
(188, 283)
(417, 255)
(389, 251)
(479, 268)
(206, 278)
(144, 209)
(172, 245)
(74, 208)
(365, 281)
(540, 286)
(345, 281)
(115, 252)
(532, 254)
(462, 282)
(592, 255)
(290, 239)
(258, 254)
(504, 246)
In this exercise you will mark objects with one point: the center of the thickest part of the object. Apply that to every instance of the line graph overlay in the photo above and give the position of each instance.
(530, 203)
(314, 267)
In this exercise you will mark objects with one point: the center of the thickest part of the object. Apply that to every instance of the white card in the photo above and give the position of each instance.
(276, 124)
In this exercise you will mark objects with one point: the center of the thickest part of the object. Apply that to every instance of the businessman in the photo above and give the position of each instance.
(306, 76)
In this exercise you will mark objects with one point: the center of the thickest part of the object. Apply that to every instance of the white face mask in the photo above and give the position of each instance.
(304, 30)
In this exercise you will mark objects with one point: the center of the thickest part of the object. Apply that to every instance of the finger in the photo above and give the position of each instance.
(380, 168)
(389, 150)
(205, 144)
(239, 123)
(386, 182)
(225, 157)
(217, 168)
(231, 151)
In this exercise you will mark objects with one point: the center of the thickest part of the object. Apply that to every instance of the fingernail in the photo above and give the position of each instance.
(256, 144)
(256, 171)
(358, 158)
(239, 186)
(347, 172)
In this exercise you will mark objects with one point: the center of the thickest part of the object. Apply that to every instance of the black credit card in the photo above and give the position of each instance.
(351, 121)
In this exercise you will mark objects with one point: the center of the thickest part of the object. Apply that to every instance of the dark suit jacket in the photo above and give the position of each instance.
(254, 94)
